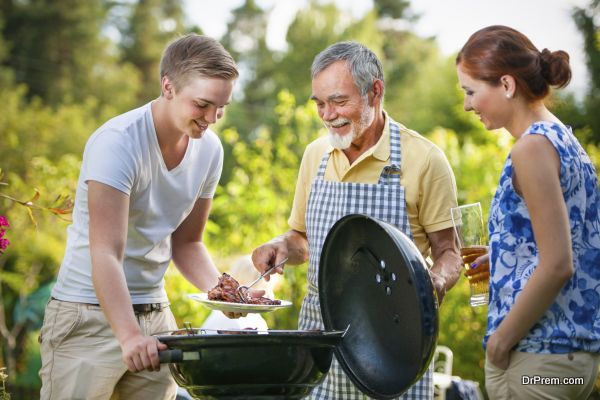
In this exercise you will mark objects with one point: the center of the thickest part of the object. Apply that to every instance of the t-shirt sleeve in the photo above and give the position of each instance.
(109, 160)
(437, 192)
(213, 176)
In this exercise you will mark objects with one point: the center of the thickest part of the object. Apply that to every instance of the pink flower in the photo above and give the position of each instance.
(4, 242)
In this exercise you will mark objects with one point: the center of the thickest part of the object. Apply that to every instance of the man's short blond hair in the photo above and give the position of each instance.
(196, 56)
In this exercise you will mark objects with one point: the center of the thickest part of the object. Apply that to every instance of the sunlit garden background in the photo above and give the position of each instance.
(67, 66)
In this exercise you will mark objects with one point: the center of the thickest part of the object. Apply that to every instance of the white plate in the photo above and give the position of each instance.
(226, 306)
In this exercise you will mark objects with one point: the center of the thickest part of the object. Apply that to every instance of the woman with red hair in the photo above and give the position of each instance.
(543, 334)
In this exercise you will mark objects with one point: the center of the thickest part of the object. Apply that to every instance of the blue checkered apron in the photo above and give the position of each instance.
(327, 203)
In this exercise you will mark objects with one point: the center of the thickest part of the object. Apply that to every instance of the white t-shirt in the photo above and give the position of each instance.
(124, 154)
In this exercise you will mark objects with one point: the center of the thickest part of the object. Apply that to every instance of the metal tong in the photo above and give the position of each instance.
(242, 289)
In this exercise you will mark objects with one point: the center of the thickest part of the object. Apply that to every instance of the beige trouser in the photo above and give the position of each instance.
(81, 358)
(529, 376)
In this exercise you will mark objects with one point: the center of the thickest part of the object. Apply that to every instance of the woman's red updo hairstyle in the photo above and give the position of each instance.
(498, 50)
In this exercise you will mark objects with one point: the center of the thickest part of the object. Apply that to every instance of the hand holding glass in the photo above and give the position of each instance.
(472, 238)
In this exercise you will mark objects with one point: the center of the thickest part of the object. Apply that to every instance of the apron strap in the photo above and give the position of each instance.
(391, 173)
(323, 166)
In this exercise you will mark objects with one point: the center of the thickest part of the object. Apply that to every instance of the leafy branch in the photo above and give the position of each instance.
(62, 206)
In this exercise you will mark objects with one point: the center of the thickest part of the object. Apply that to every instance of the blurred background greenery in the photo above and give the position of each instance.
(67, 66)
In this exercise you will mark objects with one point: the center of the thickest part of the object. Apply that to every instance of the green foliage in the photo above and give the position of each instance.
(51, 44)
(253, 206)
(417, 74)
(246, 40)
(31, 362)
(462, 328)
(183, 308)
(392, 8)
(476, 167)
(594, 152)
(29, 129)
(152, 24)
(37, 242)
(3, 393)
(314, 28)
(34, 258)
(586, 20)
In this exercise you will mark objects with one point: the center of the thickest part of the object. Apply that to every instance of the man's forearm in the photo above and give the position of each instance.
(195, 264)
(448, 266)
(297, 245)
(447, 262)
(113, 295)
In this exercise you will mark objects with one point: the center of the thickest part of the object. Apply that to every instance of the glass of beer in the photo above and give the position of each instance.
(472, 238)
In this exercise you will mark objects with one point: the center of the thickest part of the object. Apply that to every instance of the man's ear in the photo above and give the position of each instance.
(377, 92)
(166, 87)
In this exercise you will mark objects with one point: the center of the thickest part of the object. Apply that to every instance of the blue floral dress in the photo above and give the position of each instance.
(571, 323)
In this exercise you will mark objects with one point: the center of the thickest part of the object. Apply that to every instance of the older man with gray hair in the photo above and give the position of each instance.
(363, 141)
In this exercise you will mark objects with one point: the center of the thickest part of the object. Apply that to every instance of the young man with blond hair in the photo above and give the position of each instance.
(143, 199)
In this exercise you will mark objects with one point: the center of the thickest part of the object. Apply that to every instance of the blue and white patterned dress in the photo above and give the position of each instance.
(571, 323)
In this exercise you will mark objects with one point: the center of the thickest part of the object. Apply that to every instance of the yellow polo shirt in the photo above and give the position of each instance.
(430, 187)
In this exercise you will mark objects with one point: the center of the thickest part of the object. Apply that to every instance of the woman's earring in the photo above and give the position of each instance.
(508, 95)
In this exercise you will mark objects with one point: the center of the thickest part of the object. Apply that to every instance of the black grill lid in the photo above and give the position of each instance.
(373, 278)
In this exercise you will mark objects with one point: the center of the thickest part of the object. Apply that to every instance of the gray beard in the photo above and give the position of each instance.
(340, 142)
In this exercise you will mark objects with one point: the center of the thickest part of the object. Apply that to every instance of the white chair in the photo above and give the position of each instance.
(442, 371)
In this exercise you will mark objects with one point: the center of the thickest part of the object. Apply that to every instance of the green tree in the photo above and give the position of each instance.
(315, 27)
(395, 9)
(6, 74)
(255, 92)
(417, 74)
(29, 128)
(151, 25)
(58, 51)
(587, 22)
